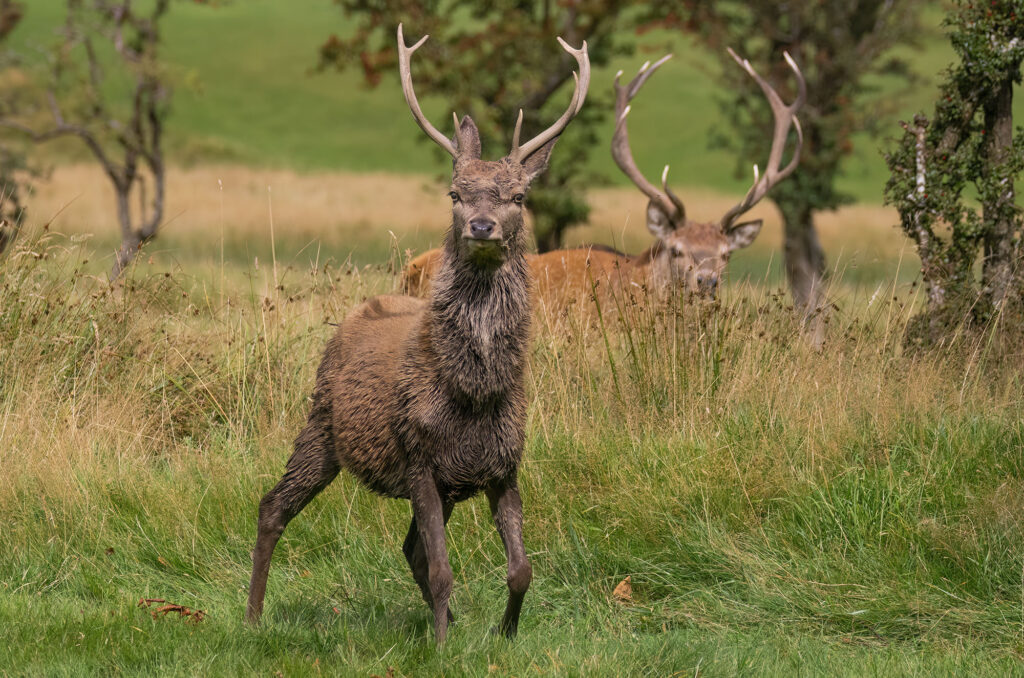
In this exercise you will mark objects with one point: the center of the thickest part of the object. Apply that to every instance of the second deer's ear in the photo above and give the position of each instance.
(467, 139)
(658, 223)
(537, 162)
(742, 234)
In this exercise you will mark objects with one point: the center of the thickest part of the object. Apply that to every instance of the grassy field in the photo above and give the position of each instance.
(245, 94)
(851, 512)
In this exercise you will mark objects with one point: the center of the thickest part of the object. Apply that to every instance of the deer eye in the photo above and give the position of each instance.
(518, 198)
(454, 196)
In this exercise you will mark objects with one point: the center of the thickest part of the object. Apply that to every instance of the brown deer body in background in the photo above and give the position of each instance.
(686, 254)
(425, 399)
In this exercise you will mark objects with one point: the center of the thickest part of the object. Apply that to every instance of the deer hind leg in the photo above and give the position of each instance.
(310, 469)
(416, 556)
(507, 510)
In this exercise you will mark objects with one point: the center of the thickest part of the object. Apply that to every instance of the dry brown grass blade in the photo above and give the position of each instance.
(191, 615)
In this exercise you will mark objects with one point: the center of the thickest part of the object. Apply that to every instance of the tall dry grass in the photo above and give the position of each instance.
(852, 501)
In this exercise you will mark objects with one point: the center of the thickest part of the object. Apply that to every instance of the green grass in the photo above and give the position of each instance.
(246, 93)
(780, 511)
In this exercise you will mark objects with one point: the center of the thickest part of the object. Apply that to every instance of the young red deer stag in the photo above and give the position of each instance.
(685, 253)
(425, 399)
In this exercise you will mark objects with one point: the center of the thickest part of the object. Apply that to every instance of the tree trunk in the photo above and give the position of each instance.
(548, 240)
(998, 212)
(805, 267)
(7, 232)
(130, 241)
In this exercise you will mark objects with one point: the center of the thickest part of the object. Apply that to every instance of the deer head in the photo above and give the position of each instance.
(487, 196)
(689, 253)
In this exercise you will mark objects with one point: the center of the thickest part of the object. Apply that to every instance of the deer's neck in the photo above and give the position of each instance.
(480, 326)
(648, 256)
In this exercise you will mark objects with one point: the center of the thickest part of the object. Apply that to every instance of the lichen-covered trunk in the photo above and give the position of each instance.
(1001, 242)
(805, 266)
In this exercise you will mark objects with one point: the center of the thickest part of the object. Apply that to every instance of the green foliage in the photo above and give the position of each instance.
(491, 60)
(964, 158)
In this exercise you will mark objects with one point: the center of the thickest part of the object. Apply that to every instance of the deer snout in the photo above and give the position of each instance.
(707, 281)
(482, 228)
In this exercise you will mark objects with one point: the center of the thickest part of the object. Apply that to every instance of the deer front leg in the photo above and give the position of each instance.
(416, 556)
(429, 515)
(507, 510)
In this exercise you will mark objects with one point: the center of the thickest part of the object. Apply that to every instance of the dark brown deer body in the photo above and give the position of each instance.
(425, 399)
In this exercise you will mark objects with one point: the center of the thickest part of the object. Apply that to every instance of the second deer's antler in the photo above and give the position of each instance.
(623, 155)
(785, 116)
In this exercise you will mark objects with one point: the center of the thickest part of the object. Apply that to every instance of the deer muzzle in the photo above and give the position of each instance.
(482, 228)
(482, 242)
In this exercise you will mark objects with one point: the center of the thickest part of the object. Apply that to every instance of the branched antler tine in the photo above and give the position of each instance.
(519, 128)
(785, 117)
(801, 83)
(680, 210)
(641, 77)
(579, 95)
(795, 160)
(623, 155)
(404, 70)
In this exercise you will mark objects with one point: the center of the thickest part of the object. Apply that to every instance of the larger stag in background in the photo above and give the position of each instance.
(685, 253)
(425, 399)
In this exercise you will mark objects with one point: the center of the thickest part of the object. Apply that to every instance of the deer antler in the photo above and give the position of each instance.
(404, 55)
(784, 117)
(579, 94)
(665, 198)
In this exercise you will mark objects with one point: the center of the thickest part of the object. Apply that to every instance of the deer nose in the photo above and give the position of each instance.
(707, 281)
(482, 227)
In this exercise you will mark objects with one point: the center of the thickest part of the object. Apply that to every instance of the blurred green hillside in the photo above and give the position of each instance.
(247, 92)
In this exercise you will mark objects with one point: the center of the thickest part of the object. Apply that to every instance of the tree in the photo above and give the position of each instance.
(12, 161)
(837, 43)
(967, 148)
(121, 124)
(490, 60)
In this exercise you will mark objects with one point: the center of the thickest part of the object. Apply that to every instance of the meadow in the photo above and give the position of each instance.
(779, 510)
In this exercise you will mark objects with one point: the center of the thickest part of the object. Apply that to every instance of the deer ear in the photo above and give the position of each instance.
(658, 222)
(537, 162)
(742, 234)
(467, 139)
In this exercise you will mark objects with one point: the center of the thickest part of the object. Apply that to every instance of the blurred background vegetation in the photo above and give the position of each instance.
(247, 90)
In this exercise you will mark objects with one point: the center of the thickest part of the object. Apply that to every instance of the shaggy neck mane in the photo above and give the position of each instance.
(480, 324)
